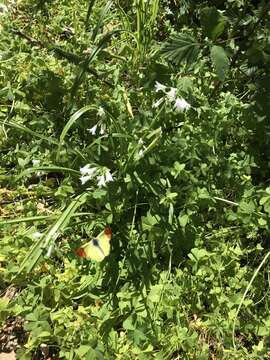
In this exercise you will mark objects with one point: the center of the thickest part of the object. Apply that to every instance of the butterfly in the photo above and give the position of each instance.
(98, 248)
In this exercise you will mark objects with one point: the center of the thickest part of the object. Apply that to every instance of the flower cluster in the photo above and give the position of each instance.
(102, 129)
(102, 176)
(180, 104)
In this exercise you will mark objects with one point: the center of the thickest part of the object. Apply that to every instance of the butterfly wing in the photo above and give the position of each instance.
(97, 249)
(104, 240)
(92, 251)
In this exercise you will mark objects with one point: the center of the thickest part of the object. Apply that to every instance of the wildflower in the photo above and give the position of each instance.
(140, 153)
(86, 170)
(157, 103)
(101, 181)
(181, 104)
(37, 234)
(102, 130)
(85, 178)
(35, 162)
(101, 111)
(93, 130)
(171, 95)
(108, 176)
(140, 142)
(105, 178)
(159, 87)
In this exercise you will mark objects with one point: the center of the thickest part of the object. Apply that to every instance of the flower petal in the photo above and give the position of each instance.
(101, 111)
(85, 178)
(171, 95)
(93, 130)
(101, 181)
(159, 87)
(157, 103)
(108, 176)
(181, 104)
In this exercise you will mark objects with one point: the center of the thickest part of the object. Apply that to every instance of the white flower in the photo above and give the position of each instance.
(93, 130)
(140, 142)
(87, 173)
(181, 104)
(159, 87)
(85, 178)
(101, 181)
(37, 234)
(101, 111)
(105, 178)
(86, 170)
(102, 130)
(140, 153)
(108, 176)
(35, 162)
(171, 95)
(157, 103)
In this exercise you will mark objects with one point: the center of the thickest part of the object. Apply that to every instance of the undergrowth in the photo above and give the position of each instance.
(150, 117)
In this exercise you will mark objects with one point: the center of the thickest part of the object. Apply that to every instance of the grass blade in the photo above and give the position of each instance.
(99, 25)
(101, 45)
(89, 11)
(29, 131)
(69, 124)
(35, 253)
(39, 218)
(47, 169)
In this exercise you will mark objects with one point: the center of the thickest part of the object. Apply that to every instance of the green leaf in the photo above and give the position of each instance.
(247, 207)
(262, 331)
(44, 334)
(198, 253)
(181, 48)
(128, 325)
(262, 222)
(264, 199)
(4, 303)
(155, 293)
(183, 220)
(213, 23)
(82, 350)
(220, 61)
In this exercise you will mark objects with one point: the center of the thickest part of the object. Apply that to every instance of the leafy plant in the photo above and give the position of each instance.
(150, 119)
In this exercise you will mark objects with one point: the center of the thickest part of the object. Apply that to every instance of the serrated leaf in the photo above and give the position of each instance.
(181, 48)
(220, 61)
